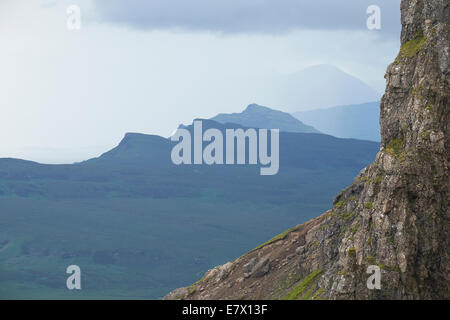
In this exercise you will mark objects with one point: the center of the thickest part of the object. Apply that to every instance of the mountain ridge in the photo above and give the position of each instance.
(258, 116)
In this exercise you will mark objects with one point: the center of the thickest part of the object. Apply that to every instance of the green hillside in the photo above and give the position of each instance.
(139, 226)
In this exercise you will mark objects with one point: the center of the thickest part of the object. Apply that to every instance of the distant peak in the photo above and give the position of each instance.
(255, 107)
(257, 116)
(131, 136)
(134, 136)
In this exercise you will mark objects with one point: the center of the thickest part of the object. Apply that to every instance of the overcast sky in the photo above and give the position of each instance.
(147, 66)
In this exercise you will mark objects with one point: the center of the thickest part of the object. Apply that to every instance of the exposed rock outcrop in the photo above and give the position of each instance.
(395, 215)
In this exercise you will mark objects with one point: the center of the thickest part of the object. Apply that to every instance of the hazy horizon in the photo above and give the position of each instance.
(72, 95)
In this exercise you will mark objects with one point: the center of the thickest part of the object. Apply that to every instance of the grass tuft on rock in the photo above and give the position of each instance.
(304, 290)
(412, 47)
(281, 236)
(395, 146)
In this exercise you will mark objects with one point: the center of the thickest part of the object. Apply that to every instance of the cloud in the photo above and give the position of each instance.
(248, 16)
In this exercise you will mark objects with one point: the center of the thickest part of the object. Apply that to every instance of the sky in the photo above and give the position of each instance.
(147, 66)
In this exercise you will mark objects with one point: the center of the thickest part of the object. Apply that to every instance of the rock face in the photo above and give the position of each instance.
(395, 215)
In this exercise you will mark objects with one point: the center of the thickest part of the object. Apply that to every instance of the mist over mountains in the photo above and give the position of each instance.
(320, 86)
(361, 121)
(136, 223)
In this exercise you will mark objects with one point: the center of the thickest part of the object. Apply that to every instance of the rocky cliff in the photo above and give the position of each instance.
(394, 216)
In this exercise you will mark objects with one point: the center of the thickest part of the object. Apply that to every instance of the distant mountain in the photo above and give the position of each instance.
(360, 121)
(320, 86)
(262, 117)
(136, 224)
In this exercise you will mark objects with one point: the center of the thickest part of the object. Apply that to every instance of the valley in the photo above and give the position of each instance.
(137, 224)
